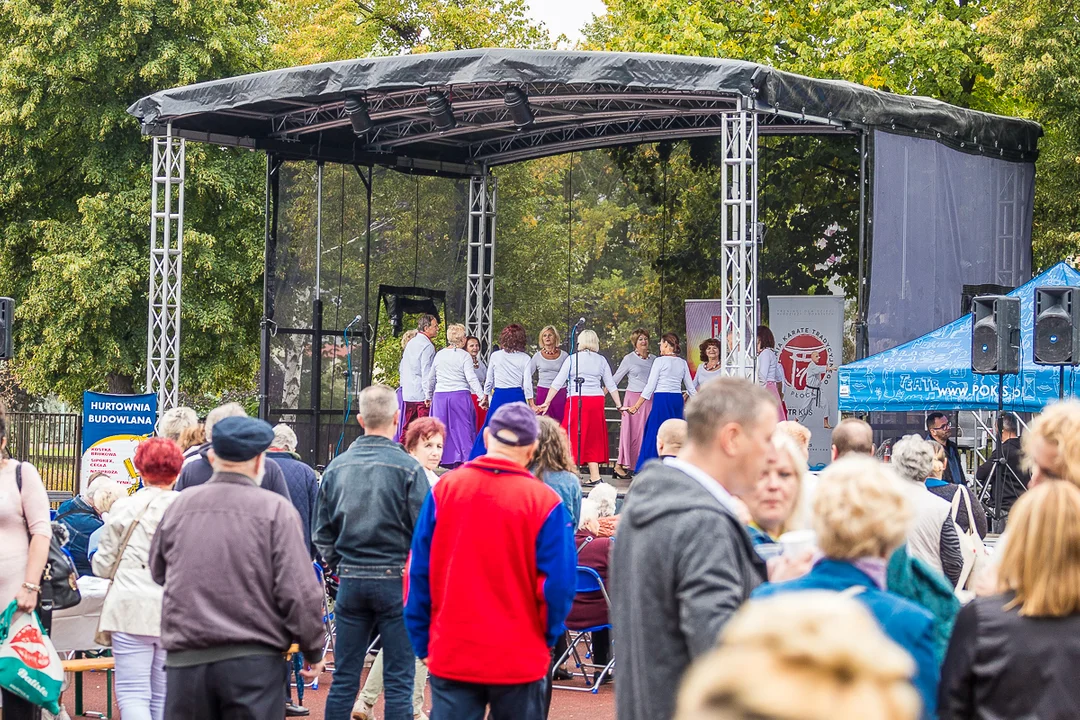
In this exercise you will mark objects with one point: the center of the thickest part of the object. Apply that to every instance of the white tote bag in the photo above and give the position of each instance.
(971, 545)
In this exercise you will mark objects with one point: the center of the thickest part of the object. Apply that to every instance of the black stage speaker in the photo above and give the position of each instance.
(7, 318)
(995, 335)
(1057, 326)
(970, 292)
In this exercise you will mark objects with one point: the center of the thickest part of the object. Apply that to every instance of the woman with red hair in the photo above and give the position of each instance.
(131, 615)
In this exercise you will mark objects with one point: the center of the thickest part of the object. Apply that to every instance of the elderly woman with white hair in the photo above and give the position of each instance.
(589, 376)
(932, 537)
(606, 498)
(594, 551)
(861, 514)
(450, 389)
(301, 480)
(776, 501)
(174, 421)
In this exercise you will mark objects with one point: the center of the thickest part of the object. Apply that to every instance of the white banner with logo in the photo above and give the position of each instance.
(809, 332)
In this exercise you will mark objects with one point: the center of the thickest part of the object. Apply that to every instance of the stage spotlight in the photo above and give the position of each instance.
(438, 108)
(517, 102)
(357, 112)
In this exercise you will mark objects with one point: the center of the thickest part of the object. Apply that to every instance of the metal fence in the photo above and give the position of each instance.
(52, 443)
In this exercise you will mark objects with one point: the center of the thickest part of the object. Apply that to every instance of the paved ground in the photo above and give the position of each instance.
(565, 705)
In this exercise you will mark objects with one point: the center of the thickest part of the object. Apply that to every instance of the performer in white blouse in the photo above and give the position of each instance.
(589, 375)
(472, 346)
(768, 368)
(509, 378)
(635, 366)
(415, 371)
(547, 362)
(450, 389)
(709, 359)
(669, 375)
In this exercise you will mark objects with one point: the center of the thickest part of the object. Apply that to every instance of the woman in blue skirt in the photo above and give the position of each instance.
(669, 375)
(508, 379)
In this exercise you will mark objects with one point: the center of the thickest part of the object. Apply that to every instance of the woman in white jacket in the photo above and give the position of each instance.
(131, 613)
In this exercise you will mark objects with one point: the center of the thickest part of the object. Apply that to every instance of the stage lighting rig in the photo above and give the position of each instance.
(439, 109)
(517, 102)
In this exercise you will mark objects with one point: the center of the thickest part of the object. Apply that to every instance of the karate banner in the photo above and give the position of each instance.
(113, 426)
(809, 333)
(704, 320)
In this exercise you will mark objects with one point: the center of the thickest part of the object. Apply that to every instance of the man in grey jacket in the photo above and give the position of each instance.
(683, 562)
(239, 586)
(365, 513)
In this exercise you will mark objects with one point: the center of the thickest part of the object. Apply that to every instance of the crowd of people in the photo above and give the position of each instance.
(728, 581)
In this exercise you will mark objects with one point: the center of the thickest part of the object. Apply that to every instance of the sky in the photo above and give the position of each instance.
(565, 16)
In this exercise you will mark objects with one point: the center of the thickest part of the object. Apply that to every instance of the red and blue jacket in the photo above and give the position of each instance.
(492, 567)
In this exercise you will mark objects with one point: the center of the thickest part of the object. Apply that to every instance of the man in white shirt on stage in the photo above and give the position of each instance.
(417, 365)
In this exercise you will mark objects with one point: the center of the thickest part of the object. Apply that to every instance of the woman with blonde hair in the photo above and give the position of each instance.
(947, 490)
(547, 362)
(814, 656)
(590, 377)
(861, 515)
(775, 503)
(450, 388)
(1013, 654)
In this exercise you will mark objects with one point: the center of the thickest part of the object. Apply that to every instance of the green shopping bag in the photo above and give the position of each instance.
(29, 665)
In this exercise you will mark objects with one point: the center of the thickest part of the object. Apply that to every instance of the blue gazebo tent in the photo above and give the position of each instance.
(933, 372)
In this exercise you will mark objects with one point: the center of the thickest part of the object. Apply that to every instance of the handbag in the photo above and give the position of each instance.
(59, 586)
(972, 549)
(30, 668)
(104, 637)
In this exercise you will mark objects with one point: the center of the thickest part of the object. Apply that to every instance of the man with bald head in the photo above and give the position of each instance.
(852, 436)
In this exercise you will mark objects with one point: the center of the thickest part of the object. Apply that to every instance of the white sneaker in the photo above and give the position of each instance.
(362, 711)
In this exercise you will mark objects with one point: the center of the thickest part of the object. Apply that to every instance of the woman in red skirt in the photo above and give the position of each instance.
(587, 376)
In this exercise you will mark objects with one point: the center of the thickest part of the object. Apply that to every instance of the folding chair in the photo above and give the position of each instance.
(588, 581)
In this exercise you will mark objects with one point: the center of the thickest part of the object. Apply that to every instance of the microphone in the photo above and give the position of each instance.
(354, 321)
(580, 323)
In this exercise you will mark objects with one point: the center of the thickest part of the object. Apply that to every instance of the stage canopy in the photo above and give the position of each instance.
(577, 101)
(933, 372)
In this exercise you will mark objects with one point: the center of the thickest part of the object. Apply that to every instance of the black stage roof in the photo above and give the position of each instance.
(576, 101)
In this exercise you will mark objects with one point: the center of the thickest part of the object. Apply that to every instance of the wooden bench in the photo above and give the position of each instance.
(81, 665)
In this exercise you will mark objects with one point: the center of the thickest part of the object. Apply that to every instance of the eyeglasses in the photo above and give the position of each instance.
(946, 426)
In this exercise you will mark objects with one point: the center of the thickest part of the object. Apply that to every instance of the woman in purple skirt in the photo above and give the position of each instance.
(450, 388)
(547, 363)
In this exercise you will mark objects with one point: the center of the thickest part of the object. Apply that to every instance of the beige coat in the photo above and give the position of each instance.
(133, 604)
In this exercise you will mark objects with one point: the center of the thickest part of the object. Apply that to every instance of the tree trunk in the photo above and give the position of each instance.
(121, 384)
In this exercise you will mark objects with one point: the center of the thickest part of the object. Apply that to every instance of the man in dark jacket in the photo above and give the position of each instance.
(682, 563)
(365, 513)
(1014, 478)
(939, 429)
(231, 607)
(198, 469)
(299, 477)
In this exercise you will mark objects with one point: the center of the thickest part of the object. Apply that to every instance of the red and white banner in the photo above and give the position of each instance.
(809, 332)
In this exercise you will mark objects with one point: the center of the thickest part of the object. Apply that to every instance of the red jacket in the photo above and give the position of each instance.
(492, 567)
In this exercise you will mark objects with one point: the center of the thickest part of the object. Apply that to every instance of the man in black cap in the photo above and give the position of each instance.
(239, 586)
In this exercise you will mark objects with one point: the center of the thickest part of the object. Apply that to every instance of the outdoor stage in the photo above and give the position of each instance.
(945, 193)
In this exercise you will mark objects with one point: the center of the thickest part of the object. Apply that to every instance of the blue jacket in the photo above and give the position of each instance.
(908, 625)
(568, 486)
(303, 488)
(81, 521)
(367, 507)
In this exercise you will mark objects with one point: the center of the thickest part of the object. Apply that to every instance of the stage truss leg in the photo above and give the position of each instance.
(166, 266)
(480, 293)
(738, 240)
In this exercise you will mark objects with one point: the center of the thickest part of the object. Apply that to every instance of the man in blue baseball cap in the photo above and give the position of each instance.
(239, 586)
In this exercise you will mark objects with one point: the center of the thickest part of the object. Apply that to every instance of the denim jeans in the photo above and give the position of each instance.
(140, 676)
(364, 604)
(454, 700)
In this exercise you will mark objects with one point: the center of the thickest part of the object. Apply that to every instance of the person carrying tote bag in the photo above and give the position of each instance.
(972, 549)
(131, 614)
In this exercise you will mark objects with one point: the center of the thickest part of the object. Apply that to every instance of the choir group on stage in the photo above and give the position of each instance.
(457, 387)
